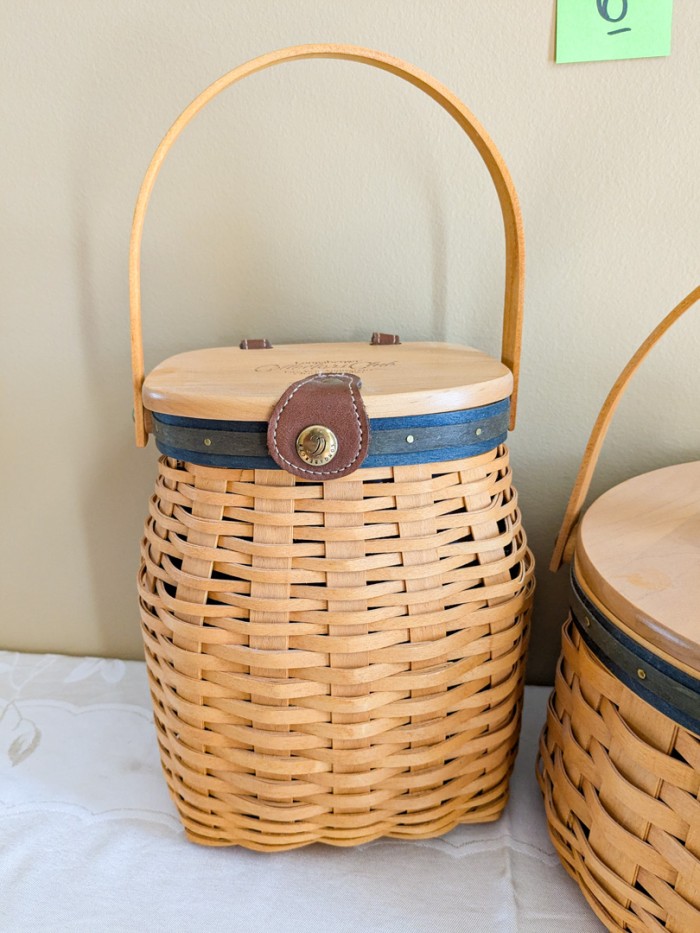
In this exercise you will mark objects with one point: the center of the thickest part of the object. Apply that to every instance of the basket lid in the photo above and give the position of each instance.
(638, 550)
(232, 384)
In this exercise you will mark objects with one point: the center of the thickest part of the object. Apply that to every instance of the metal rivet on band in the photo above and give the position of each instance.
(317, 445)
(478, 431)
(586, 621)
(410, 439)
(641, 673)
(207, 442)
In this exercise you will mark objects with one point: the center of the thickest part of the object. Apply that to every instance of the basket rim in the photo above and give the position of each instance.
(671, 690)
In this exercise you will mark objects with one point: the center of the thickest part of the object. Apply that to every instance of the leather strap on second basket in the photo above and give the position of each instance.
(515, 243)
(563, 548)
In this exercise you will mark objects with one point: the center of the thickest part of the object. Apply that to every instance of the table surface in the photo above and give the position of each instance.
(90, 840)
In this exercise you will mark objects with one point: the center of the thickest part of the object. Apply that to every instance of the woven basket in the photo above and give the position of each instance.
(334, 660)
(619, 759)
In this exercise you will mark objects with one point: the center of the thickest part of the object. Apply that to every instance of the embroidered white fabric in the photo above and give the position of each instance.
(90, 841)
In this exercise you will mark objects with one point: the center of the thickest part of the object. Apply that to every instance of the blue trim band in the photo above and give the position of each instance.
(412, 439)
(249, 427)
(381, 460)
(218, 460)
(668, 689)
(441, 418)
(434, 456)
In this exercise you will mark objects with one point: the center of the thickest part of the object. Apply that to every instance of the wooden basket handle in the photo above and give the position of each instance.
(566, 538)
(513, 306)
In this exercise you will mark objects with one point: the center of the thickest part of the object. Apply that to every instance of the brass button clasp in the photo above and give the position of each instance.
(317, 445)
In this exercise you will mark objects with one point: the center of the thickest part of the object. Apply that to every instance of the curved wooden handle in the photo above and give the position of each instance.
(563, 547)
(513, 304)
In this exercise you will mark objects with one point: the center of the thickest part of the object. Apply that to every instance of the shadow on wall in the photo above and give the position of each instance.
(545, 638)
(115, 497)
(114, 512)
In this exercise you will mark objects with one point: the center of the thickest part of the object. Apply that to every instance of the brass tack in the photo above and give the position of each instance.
(586, 621)
(410, 439)
(207, 442)
(641, 673)
(317, 445)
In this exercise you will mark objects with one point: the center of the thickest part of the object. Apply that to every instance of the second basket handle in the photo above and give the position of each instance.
(513, 302)
(566, 536)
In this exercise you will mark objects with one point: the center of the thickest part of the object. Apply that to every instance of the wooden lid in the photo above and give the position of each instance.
(230, 384)
(638, 549)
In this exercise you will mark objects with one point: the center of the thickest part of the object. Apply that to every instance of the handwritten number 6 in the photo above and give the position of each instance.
(603, 11)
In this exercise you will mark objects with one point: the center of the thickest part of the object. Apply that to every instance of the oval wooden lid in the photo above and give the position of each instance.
(638, 549)
(230, 384)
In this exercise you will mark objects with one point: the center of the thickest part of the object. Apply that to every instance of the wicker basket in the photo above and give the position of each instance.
(619, 761)
(335, 653)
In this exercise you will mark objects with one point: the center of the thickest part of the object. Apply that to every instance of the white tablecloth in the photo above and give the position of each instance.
(89, 840)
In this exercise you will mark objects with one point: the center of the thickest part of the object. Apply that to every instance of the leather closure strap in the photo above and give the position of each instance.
(319, 428)
(255, 344)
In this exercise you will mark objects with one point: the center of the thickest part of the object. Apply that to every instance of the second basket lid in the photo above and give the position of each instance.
(638, 550)
(234, 384)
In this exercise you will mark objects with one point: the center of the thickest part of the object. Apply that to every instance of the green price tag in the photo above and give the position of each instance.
(601, 30)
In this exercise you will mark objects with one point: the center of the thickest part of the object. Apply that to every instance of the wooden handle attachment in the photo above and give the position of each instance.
(514, 239)
(566, 537)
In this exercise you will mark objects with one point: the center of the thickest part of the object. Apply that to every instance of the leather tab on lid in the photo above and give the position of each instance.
(380, 340)
(319, 428)
(255, 344)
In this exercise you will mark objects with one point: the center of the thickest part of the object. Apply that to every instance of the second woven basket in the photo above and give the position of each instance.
(619, 762)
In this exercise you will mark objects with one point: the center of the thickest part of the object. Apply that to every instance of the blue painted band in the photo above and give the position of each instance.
(668, 689)
(249, 427)
(401, 441)
(442, 418)
(381, 460)
(218, 460)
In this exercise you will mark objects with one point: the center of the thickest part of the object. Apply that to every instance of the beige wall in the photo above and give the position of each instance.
(321, 200)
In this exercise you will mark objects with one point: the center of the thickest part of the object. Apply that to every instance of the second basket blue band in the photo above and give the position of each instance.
(673, 692)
